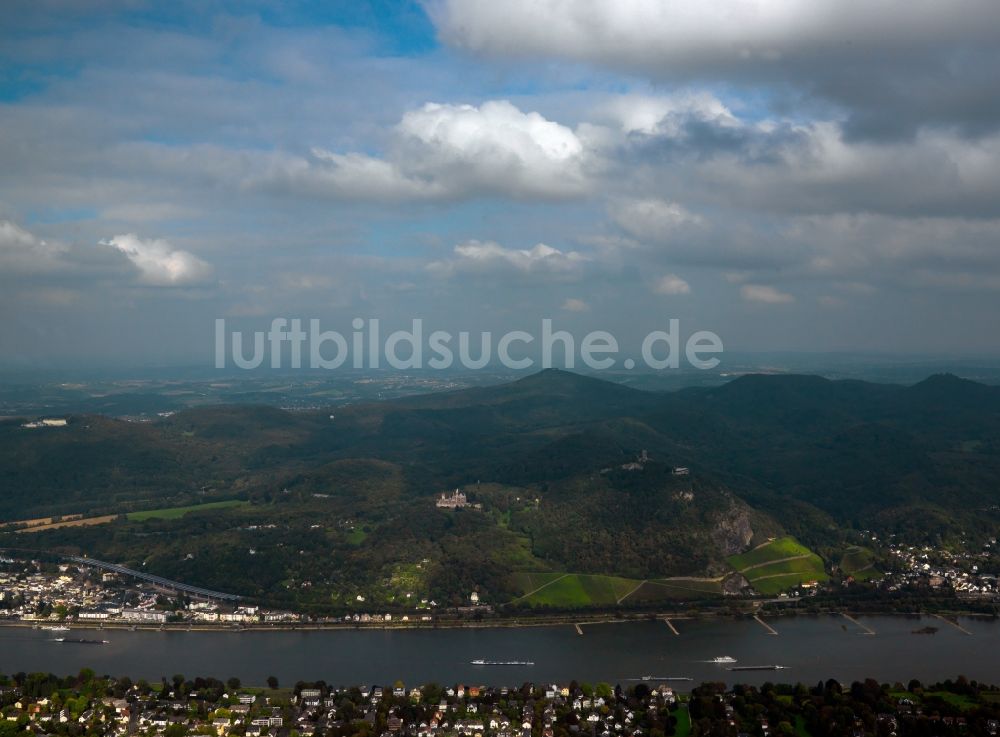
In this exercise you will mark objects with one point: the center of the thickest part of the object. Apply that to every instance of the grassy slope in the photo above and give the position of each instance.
(580, 590)
(529, 581)
(683, 589)
(859, 562)
(778, 565)
(782, 547)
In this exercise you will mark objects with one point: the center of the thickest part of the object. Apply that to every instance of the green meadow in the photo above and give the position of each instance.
(178, 512)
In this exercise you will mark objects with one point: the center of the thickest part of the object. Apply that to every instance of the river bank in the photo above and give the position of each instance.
(582, 619)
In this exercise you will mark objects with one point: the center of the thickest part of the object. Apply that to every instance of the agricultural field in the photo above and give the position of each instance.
(178, 512)
(782, 547)
(778, 565)
(530, 581)
(76, 520)
(570, 590)
(70, 521)
(675, 589)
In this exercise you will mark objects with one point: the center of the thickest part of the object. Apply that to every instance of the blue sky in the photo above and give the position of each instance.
(792, 175)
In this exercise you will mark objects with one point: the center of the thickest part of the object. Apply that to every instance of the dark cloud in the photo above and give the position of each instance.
(892, 67)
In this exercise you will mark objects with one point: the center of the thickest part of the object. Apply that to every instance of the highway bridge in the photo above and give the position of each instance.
(158, 580)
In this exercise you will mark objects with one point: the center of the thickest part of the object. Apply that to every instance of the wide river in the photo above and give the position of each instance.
(812, 648)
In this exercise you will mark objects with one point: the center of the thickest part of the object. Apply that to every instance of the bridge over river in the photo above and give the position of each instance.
(158, 580)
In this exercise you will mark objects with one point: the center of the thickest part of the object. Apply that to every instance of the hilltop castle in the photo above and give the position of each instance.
(455, 501)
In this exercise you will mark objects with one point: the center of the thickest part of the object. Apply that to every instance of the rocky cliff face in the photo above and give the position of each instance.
(734, 583)
(733, 531)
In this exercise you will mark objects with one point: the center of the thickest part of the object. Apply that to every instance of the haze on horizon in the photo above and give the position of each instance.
(807, 175)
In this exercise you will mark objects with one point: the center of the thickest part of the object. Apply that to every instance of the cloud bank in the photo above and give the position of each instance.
(833, 163)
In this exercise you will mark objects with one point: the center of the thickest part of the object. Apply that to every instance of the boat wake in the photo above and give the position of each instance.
(503, 662)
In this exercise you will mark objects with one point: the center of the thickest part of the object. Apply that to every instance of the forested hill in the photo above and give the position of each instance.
(766, 453)
(848, 448)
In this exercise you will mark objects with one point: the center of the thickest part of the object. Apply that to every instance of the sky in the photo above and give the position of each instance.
(793, 175)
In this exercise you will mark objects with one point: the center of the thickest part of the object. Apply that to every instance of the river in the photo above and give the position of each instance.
(812, 648)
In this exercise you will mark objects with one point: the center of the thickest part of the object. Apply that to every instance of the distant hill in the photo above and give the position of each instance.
(556, 462)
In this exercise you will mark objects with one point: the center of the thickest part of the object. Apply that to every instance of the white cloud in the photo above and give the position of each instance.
(671, 284)
(57, 272)
(454, 152)
(487, 256)
(652, 220)
(497, 128)
(357, 176)
(573, 304)
(159, 263)
(765, 294)
(666, 115)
